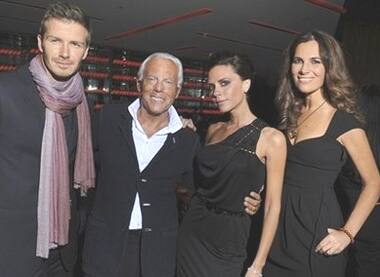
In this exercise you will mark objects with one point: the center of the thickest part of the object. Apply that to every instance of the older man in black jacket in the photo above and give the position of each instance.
(143, 152)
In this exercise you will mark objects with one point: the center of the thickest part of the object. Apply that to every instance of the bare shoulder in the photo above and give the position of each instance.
(272, 143)
(353, 134)
(215, 126)
(212, 129)
(273, 137)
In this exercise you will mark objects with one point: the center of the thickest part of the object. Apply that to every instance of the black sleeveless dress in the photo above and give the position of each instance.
(310, 206)
(214, 232)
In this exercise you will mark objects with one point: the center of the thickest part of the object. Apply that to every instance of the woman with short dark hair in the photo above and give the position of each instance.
(240, 156)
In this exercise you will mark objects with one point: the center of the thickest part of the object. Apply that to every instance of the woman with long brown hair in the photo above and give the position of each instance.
(317, 108)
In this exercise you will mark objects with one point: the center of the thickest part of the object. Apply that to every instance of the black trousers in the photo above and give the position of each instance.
(52, 267)
(131, 266)
(132, 257)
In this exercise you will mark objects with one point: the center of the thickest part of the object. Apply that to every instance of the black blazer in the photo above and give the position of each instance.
(118, 181)
(22, 117)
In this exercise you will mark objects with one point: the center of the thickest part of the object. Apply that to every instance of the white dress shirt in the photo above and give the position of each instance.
(147, 148)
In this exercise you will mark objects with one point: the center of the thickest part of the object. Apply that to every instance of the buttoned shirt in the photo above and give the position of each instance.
(146, 148)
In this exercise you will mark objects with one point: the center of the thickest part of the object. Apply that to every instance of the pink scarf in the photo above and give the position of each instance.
(53, 211)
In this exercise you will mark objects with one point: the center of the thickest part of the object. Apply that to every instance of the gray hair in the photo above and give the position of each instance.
(165, 56)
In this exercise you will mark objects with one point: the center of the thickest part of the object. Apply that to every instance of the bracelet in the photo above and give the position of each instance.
(254, 271)
(348, 234)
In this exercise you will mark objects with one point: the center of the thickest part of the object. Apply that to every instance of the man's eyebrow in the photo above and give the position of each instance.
(52, 36)
(77, 41)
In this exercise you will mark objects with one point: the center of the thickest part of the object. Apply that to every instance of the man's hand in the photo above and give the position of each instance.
(252, 203)
(188, 123)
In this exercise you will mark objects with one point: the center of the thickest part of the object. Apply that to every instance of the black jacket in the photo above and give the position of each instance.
(118, 181)
(22, 117)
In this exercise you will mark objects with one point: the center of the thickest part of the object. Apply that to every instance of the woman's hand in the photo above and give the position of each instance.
(253, 272)
(334, 243)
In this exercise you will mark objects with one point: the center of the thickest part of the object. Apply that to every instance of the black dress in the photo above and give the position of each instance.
(214, 232)
(310, 206)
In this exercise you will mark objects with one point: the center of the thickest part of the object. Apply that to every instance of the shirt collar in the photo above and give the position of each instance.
(175, 123)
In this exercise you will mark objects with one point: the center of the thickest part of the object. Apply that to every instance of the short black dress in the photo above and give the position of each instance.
(214, 232)
(310, 205)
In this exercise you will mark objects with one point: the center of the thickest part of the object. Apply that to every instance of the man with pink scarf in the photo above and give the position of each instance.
(45, 150)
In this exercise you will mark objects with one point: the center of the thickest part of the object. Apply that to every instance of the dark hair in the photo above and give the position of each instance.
(68, 12)
(338, 88)
(240, 63)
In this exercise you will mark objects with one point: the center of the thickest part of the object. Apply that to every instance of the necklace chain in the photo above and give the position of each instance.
(310, 114)
(295, 131)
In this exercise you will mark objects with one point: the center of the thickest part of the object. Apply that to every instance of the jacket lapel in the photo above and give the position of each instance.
(126, 130)
(32, 98)
(169, 145)
(125, 127)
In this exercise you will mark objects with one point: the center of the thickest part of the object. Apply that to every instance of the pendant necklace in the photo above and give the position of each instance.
(294, 132)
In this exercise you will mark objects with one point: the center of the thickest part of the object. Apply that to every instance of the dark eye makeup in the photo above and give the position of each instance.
(224, 82)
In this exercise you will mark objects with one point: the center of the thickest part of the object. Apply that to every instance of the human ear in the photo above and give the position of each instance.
(246, 85)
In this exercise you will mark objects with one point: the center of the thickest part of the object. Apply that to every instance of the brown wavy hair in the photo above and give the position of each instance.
(338, 88)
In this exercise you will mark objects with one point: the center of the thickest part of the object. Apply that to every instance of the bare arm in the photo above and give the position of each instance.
(356, 143)
(272, 145)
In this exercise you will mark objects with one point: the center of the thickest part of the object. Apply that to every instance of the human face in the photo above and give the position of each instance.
(63, 47)
(229, 89)
(158, 86)
(307, 69)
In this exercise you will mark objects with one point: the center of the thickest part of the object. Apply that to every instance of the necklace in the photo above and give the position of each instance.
(294, 132)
